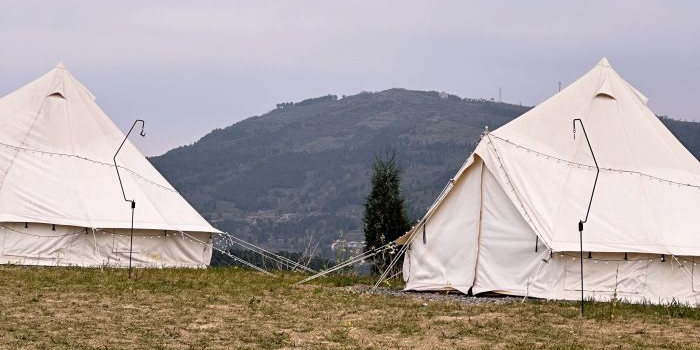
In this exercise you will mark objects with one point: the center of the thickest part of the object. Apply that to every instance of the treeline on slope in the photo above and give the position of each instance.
(298, 175)
(688, 133)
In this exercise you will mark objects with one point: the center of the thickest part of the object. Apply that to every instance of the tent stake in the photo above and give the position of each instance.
(581, 222)
(133, 202)
(580, 241)
(131, 235)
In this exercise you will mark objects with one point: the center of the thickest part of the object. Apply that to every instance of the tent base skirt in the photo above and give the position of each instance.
(58, 245)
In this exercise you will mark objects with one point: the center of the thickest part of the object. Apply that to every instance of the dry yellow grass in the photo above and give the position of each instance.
(71, 308)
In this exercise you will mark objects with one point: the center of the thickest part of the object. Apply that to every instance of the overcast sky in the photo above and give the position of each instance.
(187, 67)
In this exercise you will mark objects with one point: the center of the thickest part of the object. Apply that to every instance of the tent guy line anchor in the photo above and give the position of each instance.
(590, 201)
(132, 201)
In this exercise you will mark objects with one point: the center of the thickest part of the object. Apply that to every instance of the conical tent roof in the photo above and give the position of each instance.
(648, 194)
(56, 149)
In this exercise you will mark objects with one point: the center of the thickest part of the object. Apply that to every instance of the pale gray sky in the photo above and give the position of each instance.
(190, 66)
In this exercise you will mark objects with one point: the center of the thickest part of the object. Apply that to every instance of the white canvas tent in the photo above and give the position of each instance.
(507, 221)
(60, 200)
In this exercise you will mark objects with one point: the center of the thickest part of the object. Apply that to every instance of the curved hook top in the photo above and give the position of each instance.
(143, 127)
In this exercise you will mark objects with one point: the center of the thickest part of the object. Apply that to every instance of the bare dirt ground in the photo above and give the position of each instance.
(71, 308)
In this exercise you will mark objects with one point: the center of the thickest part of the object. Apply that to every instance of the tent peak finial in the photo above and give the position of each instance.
(60, 65)
(604, 62)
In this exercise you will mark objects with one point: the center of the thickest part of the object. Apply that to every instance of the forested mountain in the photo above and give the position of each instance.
(687, 132)
(297, 177)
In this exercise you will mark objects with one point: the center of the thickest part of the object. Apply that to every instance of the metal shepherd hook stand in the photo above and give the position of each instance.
(133, 202)
(581, 222)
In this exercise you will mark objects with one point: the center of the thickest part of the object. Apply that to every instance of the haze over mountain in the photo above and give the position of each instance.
(297, 176)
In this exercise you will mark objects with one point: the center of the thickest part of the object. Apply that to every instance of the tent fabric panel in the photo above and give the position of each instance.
(507, 260)
(631, 212)
(406, 238)
(598, 276)
(42, 244)
(695, 273)
(446, 259)
(99, 204)
(514, 174)
(631, 276)
(642, 166)
(641, 278)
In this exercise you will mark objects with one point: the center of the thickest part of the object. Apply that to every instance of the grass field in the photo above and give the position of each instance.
(73, 308)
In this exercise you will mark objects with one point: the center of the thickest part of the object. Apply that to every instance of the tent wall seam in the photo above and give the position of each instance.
(19, 148)
(672, 149)
(481, 215)
(570, 170)
(515, 193)
(24, 141)
(602, 168)
(634, 164)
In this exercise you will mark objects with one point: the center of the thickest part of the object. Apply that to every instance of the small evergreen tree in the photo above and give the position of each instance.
(385, 216)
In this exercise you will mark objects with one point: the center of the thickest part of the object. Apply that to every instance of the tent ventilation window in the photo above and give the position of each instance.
(57, 95)
(605, 90)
